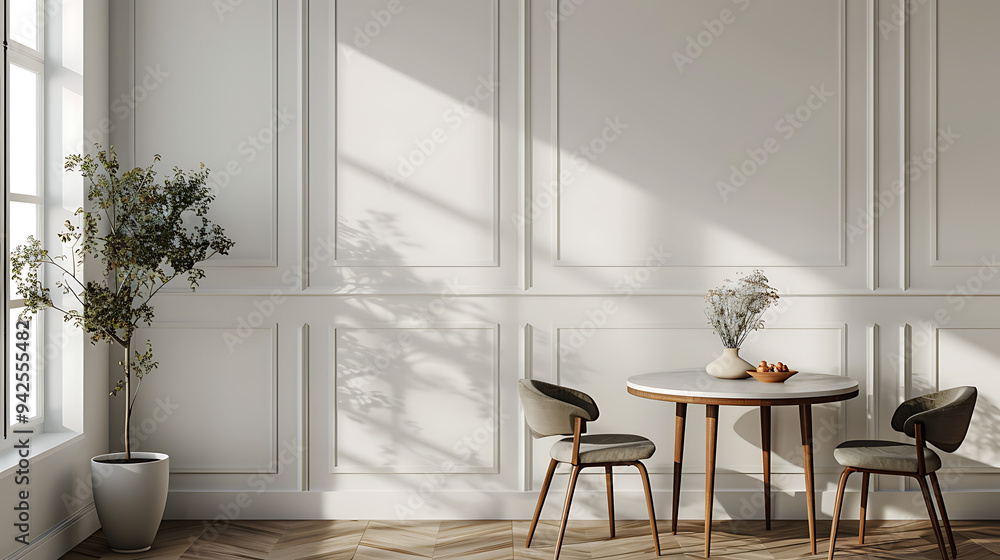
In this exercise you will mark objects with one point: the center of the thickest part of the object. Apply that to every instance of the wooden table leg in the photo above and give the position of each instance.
(681, 409)
(711, 439)
(765, 446)
(805, 425)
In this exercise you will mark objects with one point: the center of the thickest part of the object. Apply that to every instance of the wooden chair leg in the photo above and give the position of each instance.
(933, 516)
(864, 508)
(611, 500)
(649, 505)
(569, 501)
(541, 500)
(944, 514)
(836, 510)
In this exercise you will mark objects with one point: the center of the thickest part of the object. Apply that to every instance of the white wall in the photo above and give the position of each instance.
(357, 355)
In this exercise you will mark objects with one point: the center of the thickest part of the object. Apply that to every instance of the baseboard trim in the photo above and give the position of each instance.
(395, 505)
(61, 538)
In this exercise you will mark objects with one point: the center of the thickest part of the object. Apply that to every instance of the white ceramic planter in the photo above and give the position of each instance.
(130, 498)
(729, 365)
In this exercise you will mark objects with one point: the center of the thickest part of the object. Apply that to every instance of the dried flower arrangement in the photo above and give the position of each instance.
(735, 308)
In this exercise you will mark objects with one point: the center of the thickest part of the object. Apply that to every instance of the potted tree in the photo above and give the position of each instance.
(144, 233)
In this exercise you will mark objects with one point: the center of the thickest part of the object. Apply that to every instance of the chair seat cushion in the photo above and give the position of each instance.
(604, 448)
(884, 456)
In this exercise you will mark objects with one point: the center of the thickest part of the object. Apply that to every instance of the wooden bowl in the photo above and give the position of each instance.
(771, 376)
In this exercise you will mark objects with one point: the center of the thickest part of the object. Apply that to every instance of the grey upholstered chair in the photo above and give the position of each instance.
(554, 410)
(940, 418)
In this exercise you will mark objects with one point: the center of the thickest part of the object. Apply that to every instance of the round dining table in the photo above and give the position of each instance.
(686, 387)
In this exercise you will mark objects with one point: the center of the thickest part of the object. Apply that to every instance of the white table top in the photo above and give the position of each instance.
(698, 384)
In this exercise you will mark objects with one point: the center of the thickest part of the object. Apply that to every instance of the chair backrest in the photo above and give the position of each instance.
(944, 416)
(551, 410)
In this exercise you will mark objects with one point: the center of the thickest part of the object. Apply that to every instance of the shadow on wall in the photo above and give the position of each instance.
(786, 443)
(399, 366)
(983, 434)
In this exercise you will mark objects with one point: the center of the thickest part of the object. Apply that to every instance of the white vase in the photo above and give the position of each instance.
(130, 498)
(729, 365)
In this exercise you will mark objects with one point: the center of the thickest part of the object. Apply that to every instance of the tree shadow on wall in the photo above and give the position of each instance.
(414, 384)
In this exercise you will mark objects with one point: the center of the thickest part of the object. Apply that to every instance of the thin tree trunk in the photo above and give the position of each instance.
(128, 395)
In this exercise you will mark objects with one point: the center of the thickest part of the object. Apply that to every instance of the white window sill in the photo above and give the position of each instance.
(40, 445)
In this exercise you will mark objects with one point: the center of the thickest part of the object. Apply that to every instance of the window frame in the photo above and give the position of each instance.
(33, 61)
(4, 226)
(39, 31)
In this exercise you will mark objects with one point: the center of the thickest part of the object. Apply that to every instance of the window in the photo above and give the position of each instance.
(24, 189)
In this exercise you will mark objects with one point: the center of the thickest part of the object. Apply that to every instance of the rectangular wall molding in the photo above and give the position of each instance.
(562, 176)
(387, 413)
(246, 117)
(217, 414)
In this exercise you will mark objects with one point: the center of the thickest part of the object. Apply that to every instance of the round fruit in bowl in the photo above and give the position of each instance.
(771, 373)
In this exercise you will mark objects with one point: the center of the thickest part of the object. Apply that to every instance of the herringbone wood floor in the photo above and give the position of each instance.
(495, 540)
